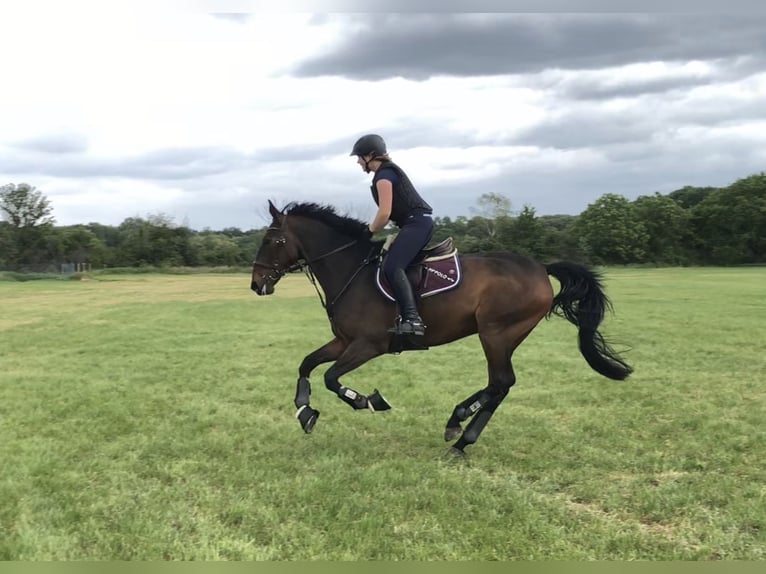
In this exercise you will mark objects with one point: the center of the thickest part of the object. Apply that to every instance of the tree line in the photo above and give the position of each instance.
(689, 226)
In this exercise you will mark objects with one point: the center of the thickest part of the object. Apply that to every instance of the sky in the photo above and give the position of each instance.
(204, 114)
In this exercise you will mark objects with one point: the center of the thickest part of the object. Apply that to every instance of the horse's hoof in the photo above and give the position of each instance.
(307, 417)
(455, 454)
(376, 402)
(309, 426)
(451, 433)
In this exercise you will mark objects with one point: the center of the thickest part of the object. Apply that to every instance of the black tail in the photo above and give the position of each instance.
(583, 303)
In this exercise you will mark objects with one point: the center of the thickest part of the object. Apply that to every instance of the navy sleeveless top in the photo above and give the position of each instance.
(406, 200)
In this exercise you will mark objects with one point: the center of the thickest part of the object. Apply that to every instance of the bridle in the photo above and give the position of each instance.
(276, 273)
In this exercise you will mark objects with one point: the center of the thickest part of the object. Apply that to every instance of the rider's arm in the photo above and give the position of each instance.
(385, 198)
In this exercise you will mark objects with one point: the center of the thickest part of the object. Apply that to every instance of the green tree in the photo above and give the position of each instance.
(155, 240)
(481, 234)
(611, 232)
(78, 244)
(24, 206)
(109, 239)
(248, 244)
(445, 227)
(134, 247)
(232, 232)
(522, 234)
(8, 255)
(492, 205)
(493, 210)
(214, 249)
(667, 227)
(28, 212)
(730, 223)
(560, 238)
(689, 196)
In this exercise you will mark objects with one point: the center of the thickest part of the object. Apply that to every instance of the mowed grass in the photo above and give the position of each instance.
(151, 417)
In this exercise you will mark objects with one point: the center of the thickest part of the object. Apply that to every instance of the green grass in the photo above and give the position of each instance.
(150, 417)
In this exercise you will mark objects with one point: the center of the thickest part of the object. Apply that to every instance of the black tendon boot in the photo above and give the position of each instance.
(411, 323)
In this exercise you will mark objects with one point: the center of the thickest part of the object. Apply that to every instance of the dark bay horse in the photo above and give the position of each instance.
(501, 296)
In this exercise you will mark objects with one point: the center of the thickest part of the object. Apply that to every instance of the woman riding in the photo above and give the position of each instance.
(397, 201)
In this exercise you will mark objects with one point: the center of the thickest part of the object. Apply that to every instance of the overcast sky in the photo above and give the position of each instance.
(203, 116)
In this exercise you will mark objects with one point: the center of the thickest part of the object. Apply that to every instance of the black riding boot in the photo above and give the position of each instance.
(411, 323)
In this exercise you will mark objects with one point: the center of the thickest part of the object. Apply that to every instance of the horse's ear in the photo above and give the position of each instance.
(275, 213)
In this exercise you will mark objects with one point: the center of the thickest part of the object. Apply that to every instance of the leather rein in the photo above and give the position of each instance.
(275, 273)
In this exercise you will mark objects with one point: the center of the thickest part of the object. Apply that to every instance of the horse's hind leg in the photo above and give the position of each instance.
(498, 349)
(481, 406)
(472, 431)
(465, 410)
(306, 415)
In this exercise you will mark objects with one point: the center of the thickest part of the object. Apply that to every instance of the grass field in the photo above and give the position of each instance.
(150, 417)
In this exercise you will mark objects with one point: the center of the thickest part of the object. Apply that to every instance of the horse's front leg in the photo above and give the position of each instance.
(358, 352)
(306, 415)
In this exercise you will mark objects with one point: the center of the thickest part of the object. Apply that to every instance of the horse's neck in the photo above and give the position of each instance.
(333, 272)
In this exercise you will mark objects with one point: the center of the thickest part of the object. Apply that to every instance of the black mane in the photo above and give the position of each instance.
(327, 215)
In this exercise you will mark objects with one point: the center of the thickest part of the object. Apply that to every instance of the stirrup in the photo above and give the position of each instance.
(408, 327)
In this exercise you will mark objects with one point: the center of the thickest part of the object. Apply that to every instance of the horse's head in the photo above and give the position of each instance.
(277, 254)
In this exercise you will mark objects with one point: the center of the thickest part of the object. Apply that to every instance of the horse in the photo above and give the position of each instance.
(501, 296)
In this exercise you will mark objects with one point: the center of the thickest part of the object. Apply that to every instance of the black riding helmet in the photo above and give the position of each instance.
(371, 143)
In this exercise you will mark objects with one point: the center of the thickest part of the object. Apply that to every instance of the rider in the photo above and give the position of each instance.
(398, 201)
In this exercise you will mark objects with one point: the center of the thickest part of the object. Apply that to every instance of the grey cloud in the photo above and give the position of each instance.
(418, 46)
(580, 126)
(419, 133)
(644, 121)
(62, 143)
(237, 17)
(595, 90)
(723, 110)
(301, 152)
(178, 163)
(186, 162)
(585, 130)
(601, 87)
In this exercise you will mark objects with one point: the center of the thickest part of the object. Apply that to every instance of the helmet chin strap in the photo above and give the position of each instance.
(367, 163)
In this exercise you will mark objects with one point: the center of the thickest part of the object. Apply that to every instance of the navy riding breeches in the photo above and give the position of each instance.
(414, 234)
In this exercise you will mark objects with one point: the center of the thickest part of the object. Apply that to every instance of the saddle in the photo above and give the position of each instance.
(434, 270)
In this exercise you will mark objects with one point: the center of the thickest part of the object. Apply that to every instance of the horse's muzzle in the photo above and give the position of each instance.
(266, 289)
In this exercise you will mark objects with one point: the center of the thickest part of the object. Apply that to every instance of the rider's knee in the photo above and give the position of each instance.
(390, 268)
